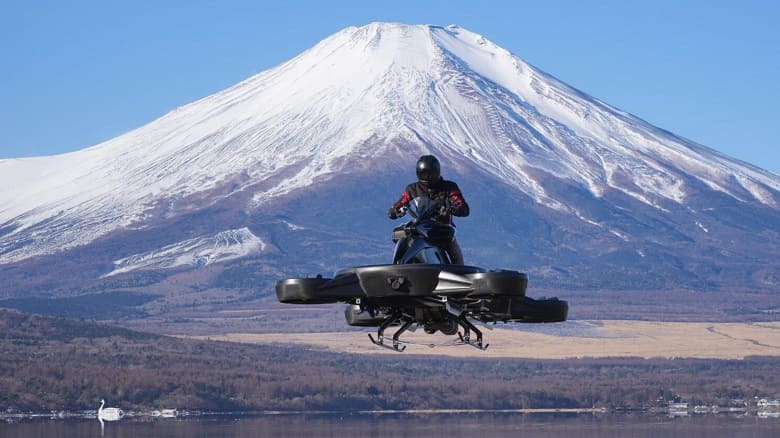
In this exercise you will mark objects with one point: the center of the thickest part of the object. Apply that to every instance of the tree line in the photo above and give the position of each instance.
(51, 363)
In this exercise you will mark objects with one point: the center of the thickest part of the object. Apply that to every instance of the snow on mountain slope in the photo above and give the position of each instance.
(359, 94)
(199, 251)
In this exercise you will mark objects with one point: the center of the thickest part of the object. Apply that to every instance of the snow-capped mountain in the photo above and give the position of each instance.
(563, 183)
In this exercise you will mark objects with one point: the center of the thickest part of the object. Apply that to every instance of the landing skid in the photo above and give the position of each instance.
(399, 345)
(380, 334)
(465, 337)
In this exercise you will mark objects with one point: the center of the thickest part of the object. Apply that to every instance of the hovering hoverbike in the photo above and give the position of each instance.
(422, 288)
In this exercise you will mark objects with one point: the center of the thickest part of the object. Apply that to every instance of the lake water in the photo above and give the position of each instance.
(408, 425)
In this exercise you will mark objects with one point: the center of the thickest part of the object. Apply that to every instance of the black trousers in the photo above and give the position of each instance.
(453, 249)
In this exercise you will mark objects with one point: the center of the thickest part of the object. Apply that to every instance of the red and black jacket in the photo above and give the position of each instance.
(439, 191)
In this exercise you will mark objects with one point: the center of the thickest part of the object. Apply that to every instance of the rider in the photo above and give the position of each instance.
(431, 185)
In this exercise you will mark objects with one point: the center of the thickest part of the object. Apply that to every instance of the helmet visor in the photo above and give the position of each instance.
(428, 175)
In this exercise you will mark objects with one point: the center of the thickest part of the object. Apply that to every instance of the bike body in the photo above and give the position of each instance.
(424, 239)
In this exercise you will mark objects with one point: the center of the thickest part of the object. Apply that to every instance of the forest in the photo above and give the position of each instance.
(51, 363)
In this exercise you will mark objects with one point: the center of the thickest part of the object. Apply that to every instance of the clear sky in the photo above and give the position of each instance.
(75, 73)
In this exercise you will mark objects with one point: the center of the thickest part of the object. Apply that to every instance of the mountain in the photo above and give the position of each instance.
(291, 172)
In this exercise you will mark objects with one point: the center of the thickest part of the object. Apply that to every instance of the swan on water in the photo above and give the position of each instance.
(109, 414)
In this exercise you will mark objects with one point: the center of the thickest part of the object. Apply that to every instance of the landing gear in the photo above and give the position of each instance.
(465, 337)
(380, 334)
(399, 345)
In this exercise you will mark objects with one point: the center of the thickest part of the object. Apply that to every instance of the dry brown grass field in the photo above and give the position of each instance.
(595, 339)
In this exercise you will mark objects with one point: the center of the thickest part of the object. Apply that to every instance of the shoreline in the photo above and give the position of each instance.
(147, 416)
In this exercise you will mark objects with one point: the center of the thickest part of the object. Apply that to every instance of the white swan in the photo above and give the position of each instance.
(109, 414)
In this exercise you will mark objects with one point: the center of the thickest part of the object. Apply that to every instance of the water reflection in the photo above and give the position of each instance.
(403, 425)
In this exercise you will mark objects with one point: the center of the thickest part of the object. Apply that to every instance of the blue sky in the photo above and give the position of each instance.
(77, 73)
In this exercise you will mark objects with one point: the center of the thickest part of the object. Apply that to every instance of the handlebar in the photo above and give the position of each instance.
(436, 208)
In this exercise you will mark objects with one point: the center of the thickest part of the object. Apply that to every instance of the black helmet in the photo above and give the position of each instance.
(428, 169)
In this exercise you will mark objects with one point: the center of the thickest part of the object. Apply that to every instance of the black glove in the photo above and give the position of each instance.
(395, 213)
(460, 210)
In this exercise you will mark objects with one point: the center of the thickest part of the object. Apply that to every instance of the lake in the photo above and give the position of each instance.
(403, 425)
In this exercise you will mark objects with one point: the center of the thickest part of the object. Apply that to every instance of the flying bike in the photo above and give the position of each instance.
(423, 289)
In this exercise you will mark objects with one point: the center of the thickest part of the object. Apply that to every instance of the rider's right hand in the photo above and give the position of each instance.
(395, 213)
(392, 214)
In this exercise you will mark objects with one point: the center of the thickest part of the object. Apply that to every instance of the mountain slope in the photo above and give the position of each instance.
(563, 185)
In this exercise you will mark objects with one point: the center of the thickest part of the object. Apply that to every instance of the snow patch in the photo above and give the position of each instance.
(586, 220)
(760, 193)
(199, 251)
(293, 227)
(620, 235)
